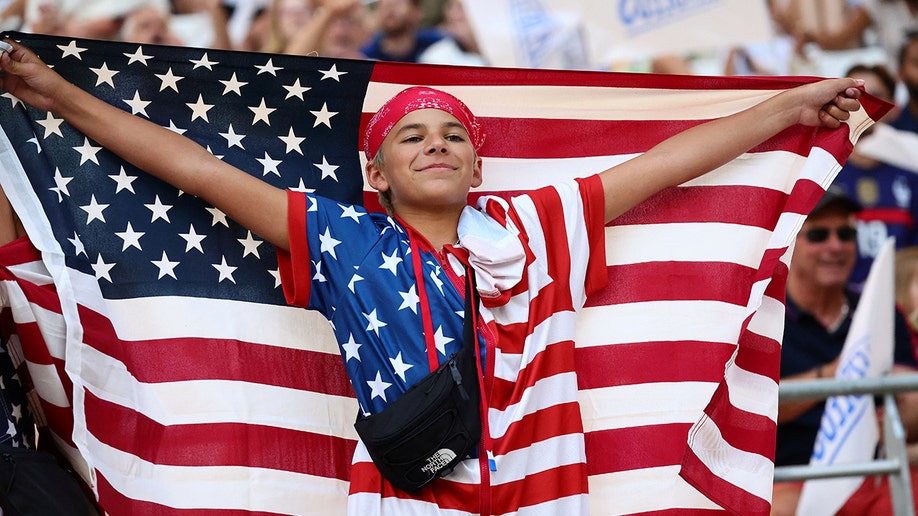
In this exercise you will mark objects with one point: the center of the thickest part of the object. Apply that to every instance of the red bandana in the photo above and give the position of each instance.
(411, 99)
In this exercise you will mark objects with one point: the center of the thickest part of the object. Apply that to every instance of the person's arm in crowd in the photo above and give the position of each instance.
(308, 40)
(851, 30)
(220, 22)
(790, 410)
(708, 146)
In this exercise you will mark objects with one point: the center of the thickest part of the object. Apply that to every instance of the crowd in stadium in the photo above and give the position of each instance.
(875, 195)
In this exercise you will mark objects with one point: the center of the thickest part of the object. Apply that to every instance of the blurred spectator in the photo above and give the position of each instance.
(888, 193)
(12, 14)
(433, 12)
(337, 28)
(773, 57)
(399, 36)
(149, 25)
(908, 75)
(888, 19)
(285, 18)
(459, 47)
(99, 19)
(257, 31)
(817, 320)
(200, 23)
(907, 284)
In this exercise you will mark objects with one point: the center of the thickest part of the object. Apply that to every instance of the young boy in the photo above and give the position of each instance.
(383, 281)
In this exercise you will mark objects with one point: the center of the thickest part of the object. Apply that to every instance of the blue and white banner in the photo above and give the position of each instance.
(850, 431)
(575, 34)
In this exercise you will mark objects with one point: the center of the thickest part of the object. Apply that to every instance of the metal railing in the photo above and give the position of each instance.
(894, 463)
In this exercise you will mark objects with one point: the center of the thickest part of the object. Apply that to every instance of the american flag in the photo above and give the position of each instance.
(172, 373)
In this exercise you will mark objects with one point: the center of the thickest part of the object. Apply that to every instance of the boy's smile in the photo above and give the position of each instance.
(428, 163)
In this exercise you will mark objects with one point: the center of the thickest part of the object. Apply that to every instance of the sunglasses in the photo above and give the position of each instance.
(819, 235)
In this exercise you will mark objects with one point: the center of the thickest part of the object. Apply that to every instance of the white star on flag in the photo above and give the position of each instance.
(169, 80)
(104, 75)
(378, 387)
(130, 237)
(399, 367)
(166, 267)
(192, 239)
(351, 349)
(323, 116)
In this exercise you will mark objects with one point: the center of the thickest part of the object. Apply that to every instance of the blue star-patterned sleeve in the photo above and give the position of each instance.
(357, 269)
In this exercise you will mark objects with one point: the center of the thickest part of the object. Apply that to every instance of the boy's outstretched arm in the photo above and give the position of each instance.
(708, 146)
(171, 157)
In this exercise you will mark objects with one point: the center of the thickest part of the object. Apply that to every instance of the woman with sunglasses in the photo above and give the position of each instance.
(818, 317)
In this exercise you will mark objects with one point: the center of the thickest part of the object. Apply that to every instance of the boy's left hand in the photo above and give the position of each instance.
(829, 102)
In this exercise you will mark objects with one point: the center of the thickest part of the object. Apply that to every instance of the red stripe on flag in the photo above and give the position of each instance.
(760, 355)
(59, 420)
(432, 75)
(217, 444)
(537, 488)
(639, 447)
(676, 281)
(720, 491)
(736, 204)
(189, 358)
(542, 138)
(685, 361)
(565, 419)
(555, 359)
(446, 495)
(741, 429)
(116, 503)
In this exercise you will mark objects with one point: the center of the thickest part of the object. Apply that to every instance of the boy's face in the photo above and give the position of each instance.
(428, 162)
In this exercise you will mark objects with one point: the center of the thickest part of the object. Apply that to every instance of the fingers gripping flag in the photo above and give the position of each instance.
(183, 381)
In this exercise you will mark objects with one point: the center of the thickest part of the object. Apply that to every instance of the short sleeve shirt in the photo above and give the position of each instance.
(372, 277)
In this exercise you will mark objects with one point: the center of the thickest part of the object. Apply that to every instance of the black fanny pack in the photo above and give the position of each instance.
(436, 423)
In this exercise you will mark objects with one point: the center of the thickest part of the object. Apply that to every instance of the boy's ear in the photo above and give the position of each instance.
(375, 177)
(476, 173)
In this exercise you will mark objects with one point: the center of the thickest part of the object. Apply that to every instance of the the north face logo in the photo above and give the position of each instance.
(438, 460)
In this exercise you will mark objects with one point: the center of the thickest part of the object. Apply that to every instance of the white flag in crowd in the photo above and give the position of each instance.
(575, 34)
(849, 431)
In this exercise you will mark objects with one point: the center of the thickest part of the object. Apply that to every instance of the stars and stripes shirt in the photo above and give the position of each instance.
(362, 270)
